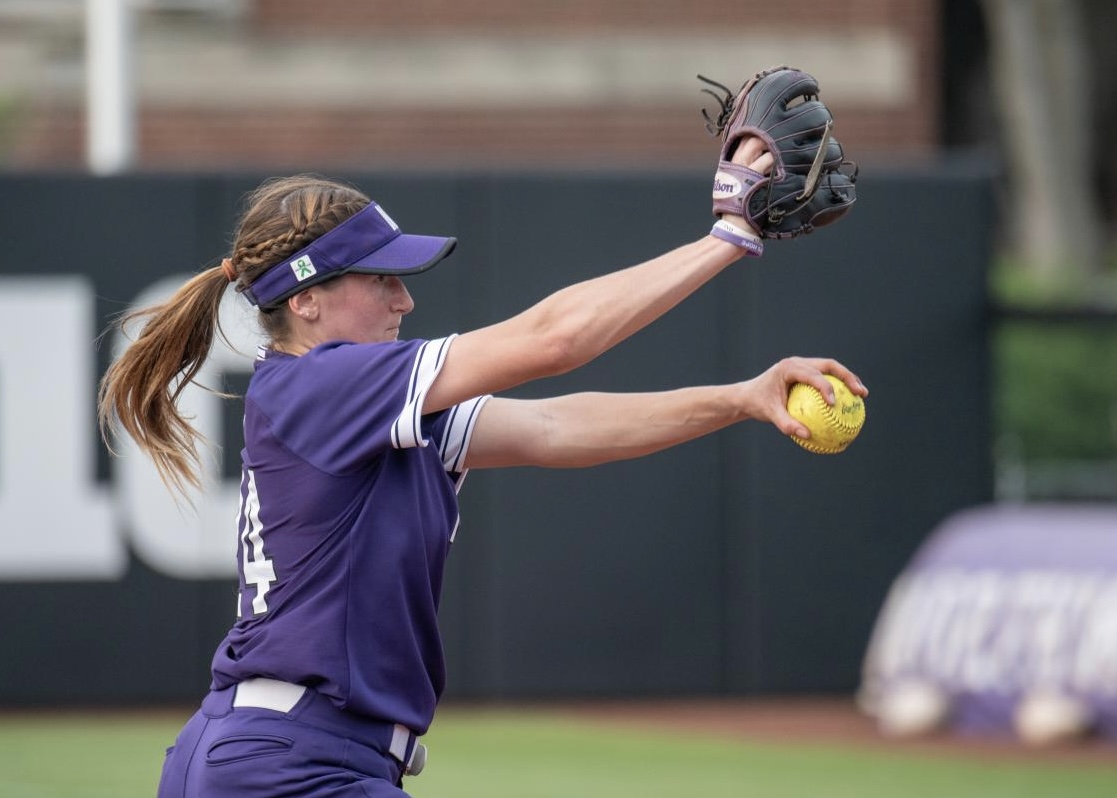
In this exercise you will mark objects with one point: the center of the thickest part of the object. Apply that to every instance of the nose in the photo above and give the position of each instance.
(401, 297)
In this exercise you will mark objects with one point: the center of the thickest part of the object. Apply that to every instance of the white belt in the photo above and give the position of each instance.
(268, 694)
(282, 697)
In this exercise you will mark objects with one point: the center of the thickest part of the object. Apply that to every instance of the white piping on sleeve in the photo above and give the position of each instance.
(406, 432)
(459, 430)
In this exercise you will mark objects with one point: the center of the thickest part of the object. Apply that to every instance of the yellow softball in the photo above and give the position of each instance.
(833, 427)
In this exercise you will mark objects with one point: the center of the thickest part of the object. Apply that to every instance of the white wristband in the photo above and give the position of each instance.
(738, 237)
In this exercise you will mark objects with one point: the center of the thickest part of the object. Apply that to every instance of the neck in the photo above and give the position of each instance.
(290, 348)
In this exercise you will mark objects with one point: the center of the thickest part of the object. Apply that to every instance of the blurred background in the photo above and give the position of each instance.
(974, 287)
(1019, 86)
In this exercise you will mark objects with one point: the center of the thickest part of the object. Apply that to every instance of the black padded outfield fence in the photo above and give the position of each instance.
(736, 564)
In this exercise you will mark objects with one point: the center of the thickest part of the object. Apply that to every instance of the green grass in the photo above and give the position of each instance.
(540, 755)
(522, 754)
(105, 755)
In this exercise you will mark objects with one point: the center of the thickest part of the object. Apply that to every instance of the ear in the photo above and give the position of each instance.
(304, 305)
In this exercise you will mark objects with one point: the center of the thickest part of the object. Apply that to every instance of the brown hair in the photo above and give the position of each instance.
(140, 390)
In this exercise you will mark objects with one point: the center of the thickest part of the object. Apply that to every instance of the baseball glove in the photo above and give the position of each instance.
(810, 184)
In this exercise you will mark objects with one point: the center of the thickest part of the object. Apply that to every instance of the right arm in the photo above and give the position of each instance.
(586, 429)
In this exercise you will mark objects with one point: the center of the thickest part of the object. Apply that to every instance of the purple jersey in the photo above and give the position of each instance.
(346, 518)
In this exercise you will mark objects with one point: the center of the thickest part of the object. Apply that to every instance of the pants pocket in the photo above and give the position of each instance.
(241, 748)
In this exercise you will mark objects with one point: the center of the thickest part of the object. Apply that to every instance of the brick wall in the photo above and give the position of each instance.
(354, 17)
(305, 130)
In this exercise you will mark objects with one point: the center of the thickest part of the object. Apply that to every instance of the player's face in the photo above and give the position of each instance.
(364, 308)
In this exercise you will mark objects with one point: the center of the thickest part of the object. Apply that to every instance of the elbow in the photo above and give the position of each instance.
(560, 351)
(549, 344)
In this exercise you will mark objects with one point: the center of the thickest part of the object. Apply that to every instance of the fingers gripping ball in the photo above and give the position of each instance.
(833, 427)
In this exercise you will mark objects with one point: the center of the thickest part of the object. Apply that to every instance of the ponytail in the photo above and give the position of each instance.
(139, 392)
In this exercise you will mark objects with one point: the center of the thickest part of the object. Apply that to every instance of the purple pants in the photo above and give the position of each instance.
(313, 751)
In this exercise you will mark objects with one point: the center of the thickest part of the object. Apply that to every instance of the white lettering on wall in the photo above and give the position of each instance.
(55, 521)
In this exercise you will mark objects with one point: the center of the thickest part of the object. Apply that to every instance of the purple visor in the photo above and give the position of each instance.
(368, 242)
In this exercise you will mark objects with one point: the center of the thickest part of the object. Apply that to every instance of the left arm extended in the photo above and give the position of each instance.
(586, 429)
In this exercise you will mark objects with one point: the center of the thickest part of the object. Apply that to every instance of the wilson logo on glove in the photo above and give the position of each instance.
(726, 186)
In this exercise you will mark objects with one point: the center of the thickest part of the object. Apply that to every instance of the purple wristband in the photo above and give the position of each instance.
(738, 237)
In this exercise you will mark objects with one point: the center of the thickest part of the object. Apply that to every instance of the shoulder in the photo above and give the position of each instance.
(339, 374)
(339, 360)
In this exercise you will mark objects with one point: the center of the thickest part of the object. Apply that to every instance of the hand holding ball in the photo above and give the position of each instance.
(833, 427)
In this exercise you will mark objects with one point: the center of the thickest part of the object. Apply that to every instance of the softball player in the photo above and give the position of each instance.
(356, 444)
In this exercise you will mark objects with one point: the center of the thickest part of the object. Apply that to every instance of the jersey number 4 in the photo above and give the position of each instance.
(256, 569)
